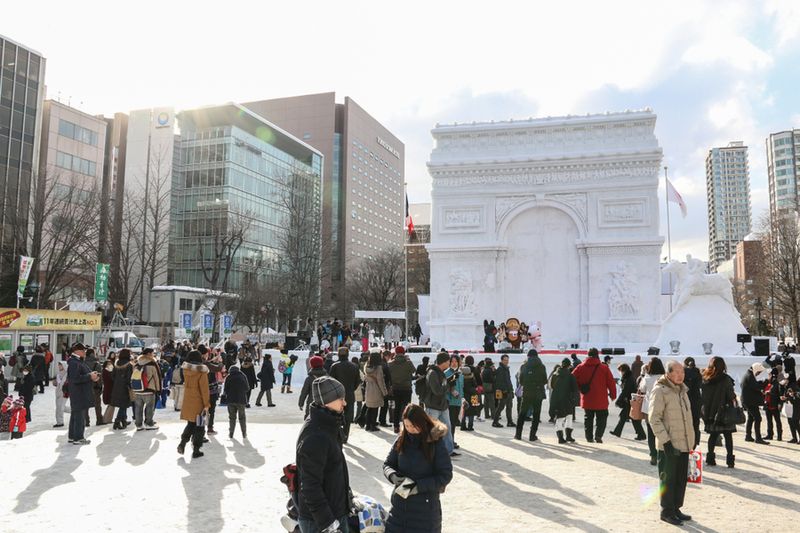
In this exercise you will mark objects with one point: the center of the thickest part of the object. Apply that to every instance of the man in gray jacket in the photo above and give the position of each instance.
(436, 404)
(402, 371)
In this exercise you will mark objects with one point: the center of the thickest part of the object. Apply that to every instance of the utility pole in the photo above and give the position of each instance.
(144, 215)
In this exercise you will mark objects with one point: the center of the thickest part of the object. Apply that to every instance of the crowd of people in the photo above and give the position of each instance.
(375, 389)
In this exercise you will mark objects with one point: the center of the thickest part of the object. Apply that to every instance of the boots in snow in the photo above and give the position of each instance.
(182, 446)
(569, 435)
(711, 459)
(561, 437)
(731, 461)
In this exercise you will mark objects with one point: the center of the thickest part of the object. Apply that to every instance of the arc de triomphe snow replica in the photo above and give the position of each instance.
(552, 220)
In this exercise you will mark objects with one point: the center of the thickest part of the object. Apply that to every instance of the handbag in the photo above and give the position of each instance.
(586, 387)
(498, 394)
(731, 415)
(361, 419)
(637, 400)
(200, 421)
(788, 410)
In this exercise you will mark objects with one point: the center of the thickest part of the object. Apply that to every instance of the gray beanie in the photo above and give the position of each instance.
(325, 390)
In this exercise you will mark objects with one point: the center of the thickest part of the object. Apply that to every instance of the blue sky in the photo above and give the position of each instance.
(713, 71)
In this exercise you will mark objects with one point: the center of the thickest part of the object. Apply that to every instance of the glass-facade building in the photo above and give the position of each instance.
(21, 96)
(728, 198)
(783, 171)
(235, 167)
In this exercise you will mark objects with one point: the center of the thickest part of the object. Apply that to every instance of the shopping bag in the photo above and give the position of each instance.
(636, 407)
(695, 474)
(108, 414)
(788, 410)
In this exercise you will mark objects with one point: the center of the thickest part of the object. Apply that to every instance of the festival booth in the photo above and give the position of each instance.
(32, 327)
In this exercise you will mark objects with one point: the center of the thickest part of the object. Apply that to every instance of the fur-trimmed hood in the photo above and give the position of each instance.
(438, 431)
(145, 358)
(195, 367)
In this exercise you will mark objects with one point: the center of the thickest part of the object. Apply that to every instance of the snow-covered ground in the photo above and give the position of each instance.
(129, 481)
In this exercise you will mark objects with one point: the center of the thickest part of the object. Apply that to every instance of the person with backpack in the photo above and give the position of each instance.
(267, 378)
(250, 373)
(39, 368)
(596, 384)
(532, 378)
(323, 494)
(196, 402)
(564, 398)
(402, 372)
(121, 388)
(288, 368)
(237, 389)
(628, 387)
(145, 384)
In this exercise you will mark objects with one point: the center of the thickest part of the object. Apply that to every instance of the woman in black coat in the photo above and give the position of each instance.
(39, 368)
(26, 390)
(250, 372)
(717, 394)
(694, 380)
(420, 468)
(267, 377)
(120, 388)
(628, 384)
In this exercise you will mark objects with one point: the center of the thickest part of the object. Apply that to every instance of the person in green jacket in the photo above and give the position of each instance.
(532, 377)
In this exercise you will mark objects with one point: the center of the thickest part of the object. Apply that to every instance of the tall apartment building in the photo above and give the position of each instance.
(237, 170)
(70, 180)
(21, 97)
(728, 197)
(363, 182)
(783, 170)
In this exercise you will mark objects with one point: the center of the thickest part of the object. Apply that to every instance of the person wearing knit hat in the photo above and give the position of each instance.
(317, 371)
(323, 498)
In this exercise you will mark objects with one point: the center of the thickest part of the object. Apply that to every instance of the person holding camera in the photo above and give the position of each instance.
(670, 417)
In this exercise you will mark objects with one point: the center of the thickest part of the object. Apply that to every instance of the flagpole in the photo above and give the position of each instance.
(405, 257)
(669, 234)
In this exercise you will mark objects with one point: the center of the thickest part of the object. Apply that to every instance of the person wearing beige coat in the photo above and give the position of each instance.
(375, 390)
(196, 402)
(670, 416)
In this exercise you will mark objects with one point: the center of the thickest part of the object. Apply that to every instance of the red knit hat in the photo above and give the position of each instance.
(317, 362)
(399, 350)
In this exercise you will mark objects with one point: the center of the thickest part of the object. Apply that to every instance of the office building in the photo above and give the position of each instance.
(728, 197)
(363, 182)
(21, 97)
(69, 184)
(238, 170)
(751, 286)
(783, 170)
(418, 264)
(149, 159)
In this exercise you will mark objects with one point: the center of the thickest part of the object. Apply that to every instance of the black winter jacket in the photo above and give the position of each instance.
(502, 379)
(323, 481)
(38, 367)
(236, 386)
(436, 389)
(267, 375)
(717, 393)
(305, 394)
(250, 372)
(79, 379)
(121, 384)
(752, 391)
(349, 376)
(420, 512)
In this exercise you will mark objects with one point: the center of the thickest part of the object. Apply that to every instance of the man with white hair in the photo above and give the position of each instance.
(670, 417)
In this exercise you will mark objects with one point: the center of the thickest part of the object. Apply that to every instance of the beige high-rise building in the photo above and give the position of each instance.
(728, 197)
(363, 182)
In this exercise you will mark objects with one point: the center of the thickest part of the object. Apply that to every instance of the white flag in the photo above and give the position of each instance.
(673, 196)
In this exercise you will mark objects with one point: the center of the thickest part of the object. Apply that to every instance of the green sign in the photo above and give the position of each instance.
(101, 282)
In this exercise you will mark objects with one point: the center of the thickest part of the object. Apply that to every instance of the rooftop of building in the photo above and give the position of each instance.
(28, 48)
(549, 121)
(238, 115)
(71, 109)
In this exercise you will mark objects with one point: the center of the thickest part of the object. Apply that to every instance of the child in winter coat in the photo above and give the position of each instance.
(61, 400)
(5, 418)
(17, 423)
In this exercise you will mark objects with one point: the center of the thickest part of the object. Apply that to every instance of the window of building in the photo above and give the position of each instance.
(75, 132)
(185, 304)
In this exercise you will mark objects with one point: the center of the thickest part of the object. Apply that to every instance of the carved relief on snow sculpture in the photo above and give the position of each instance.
(623, 294)
(693, 281)
(462, 301)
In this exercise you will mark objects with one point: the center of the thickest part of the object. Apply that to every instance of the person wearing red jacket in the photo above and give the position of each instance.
(596, 384)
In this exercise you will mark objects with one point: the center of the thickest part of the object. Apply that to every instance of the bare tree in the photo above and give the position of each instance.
(124, 282)
(298, 289)
(781, 245)
(66, 230)
(378, 282)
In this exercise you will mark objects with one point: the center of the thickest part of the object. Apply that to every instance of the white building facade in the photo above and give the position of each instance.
(549, 220)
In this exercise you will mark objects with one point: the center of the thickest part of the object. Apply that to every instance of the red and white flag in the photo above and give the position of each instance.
(409, 223)
(674, 196)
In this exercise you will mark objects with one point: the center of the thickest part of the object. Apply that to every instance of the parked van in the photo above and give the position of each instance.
(116, 340)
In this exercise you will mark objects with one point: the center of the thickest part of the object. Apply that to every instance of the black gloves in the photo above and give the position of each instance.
(669, 449)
